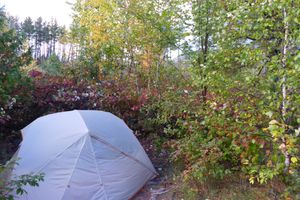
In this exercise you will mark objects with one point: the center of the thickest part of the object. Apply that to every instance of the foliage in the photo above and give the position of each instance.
(13, 84)
(118, 35)
(54, 94)
(16, 185)
(260, 61)
(227, 116)
(235, 110)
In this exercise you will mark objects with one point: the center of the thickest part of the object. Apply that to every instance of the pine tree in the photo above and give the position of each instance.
(38, 37)
(28, 27)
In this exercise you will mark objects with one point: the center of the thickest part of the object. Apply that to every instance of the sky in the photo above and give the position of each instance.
(47, 9)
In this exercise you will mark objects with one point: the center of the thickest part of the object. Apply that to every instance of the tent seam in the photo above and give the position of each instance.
(98, 171)
(77, 159)
(78, 112)
(115, 148)
(125, 154)
(56, 155)
(94, 154)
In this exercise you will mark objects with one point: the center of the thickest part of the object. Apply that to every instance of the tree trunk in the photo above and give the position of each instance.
(284, 87)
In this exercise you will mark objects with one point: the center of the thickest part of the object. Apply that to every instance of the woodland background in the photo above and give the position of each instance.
(214, 83)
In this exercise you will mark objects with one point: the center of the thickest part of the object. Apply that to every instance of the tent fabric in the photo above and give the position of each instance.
(85, 155)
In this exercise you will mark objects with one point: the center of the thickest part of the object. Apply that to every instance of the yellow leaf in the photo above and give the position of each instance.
(294, 159)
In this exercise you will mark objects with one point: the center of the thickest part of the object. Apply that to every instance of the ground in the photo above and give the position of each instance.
(162, 187)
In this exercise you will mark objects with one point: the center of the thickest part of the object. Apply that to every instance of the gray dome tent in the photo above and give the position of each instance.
(85, 155)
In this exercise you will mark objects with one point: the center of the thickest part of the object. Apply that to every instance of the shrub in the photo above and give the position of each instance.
(52, 66)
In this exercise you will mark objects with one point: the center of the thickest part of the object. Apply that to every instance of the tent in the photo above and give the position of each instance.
(85, 155)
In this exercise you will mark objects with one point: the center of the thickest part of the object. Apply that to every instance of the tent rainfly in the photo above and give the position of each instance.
(85, 155)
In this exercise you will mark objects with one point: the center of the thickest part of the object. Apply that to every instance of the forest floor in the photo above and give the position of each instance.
(162, 187)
